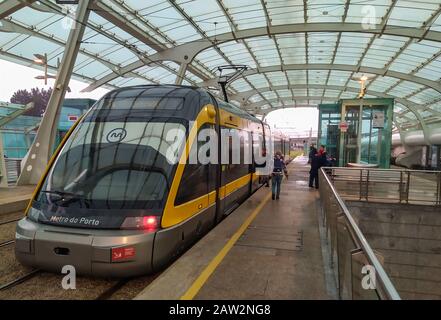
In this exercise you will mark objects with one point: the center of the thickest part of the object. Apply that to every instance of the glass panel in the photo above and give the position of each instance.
(238, 53)
(205, 13)
(317, 77)
(322, 11)
(411, 13)
(277, 78)
(246, 13)
(382, 50)
(283, 12)
(321, 47)
(258, 80)
(351, 136)
(264, 50)
(292, 48)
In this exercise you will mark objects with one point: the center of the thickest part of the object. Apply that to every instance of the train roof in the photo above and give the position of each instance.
(236, 110)
(159, 89)
(176, 91)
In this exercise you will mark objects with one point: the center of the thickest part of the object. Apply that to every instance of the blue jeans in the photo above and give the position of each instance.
(276, 182)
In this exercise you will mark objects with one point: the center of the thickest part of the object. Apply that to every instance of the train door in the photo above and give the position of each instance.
(193, 196)
(234, 172)
(258, 151)
(227, 178)
(253, 181)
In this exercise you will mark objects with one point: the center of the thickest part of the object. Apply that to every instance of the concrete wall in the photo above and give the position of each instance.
(409, 238)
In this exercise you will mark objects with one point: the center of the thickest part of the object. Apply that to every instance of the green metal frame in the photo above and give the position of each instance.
(336, 113)
(329, 115)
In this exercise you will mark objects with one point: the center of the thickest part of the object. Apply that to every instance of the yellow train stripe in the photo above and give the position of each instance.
(236, 184)
(211, 267)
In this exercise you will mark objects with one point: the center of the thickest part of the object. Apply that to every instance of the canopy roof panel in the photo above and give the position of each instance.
(298, 52)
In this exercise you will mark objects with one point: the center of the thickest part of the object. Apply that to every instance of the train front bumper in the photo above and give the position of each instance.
(103, 253)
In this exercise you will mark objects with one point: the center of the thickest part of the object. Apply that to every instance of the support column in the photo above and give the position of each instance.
(40, 152)
(3, 168)
(181, 73)
(360, 131)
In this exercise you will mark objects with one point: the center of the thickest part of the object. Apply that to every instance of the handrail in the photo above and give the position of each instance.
(408, 185)
(391, 292)
(381, 169)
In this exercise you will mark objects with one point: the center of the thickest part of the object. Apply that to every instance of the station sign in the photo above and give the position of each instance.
(378, 119)
(72, 118)
(343, 126)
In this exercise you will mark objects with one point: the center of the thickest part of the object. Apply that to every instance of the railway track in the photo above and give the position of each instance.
(9, 221)
(2, 223)
(6, 243)
(107, 294)
(20, 280)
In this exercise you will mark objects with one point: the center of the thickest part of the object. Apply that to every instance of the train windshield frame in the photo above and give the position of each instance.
(95, 172)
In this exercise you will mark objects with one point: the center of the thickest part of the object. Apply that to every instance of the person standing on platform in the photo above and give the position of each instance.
(317, 161)
(278, 170)
(312, 153)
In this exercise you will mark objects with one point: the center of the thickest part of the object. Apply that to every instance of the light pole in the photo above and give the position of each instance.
(42, 60)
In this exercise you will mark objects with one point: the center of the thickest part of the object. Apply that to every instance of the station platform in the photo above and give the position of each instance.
(266, 249)
(15, 198)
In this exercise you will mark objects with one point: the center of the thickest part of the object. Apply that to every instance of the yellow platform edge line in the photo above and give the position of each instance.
(211, 267)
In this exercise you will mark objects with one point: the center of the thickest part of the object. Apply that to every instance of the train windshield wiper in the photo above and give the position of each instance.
(61, 193)
(73, 197)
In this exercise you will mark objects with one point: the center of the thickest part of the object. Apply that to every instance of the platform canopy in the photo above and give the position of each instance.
(299, 52)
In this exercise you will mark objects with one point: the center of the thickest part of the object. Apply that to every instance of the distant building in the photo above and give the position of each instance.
(19, 133)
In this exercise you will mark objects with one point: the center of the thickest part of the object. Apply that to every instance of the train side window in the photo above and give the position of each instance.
(194, 183)
(235, 171)
(195, 178)
(259, 149)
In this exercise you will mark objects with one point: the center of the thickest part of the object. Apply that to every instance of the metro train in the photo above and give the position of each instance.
(111, 204)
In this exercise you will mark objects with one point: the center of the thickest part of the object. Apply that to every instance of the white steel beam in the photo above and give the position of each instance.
(243, 97)
(187, 52)
(8, 7)
(42, 147)
(341, 67)
(118, 20)
(15, 26)
(181, 73)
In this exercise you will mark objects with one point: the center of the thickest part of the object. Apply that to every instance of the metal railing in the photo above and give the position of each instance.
(388, 185)
(358, 270)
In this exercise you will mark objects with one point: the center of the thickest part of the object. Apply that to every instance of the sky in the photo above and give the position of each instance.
(15, 76)
(290, 121)
(295, 122)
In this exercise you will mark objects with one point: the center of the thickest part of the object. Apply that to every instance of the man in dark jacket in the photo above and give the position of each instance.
(312, 153)
(317, 161)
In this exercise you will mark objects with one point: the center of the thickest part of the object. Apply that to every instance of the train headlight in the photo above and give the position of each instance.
(148, 223)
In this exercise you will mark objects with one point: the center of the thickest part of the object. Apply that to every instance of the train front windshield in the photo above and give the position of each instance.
(111, 168)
